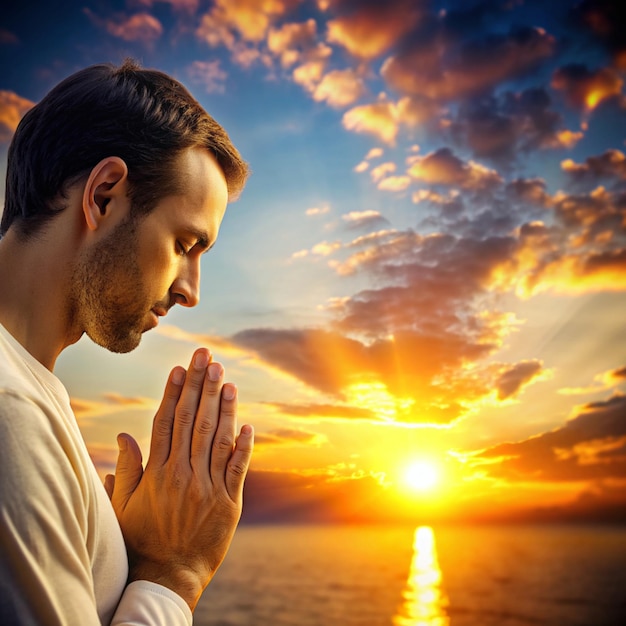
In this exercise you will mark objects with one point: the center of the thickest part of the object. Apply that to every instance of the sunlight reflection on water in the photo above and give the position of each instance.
(424, 602)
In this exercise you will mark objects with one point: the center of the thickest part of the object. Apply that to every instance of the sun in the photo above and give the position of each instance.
(421, 475)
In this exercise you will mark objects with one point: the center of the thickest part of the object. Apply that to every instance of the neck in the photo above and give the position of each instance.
(34, 294)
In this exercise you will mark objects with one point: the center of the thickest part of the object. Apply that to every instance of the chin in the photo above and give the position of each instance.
(120, 344)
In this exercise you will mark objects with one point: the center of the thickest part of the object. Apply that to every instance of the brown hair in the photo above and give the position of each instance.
(143, 116)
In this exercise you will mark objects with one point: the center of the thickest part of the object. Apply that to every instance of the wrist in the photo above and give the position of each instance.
(181, 580)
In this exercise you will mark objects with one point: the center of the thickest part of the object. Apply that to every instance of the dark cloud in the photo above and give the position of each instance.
(609, 164)
(434, 65)
(368, 28)
(598, 217)
(619, 373)
(502, 128)
(591, 445)
(325, 360)
(285, 436)
(532, 191)
(412, 335)
(512, 380)
(584, 88)
(314, 497)
(604, 19)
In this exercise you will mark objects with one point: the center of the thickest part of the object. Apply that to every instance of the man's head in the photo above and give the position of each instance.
(129, 271)
(144, 117)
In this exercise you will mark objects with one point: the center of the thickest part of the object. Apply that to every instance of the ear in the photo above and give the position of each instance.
(107, 181)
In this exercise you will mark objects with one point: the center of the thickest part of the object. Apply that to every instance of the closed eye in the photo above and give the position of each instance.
(181, 249)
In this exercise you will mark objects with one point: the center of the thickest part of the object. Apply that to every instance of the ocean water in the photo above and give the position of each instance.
(448, 576)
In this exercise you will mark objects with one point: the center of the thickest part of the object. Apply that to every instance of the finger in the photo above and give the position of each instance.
(239, 463)
(109, 484)
(224, 439)
(207, 418)
(128, 471)
(187, 406)
(162, 425)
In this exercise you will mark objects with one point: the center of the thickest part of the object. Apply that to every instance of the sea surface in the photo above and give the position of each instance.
(424, 576)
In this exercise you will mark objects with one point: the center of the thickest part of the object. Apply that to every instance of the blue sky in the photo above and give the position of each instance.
(428, 262)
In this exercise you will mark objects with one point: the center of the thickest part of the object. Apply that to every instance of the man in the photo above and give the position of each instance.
(117, 182)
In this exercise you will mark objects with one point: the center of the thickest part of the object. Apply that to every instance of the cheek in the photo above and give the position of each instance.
(159, 268)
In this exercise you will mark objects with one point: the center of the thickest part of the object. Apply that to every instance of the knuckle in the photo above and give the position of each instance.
(204, 426)
(195, 382)
(238, 468)
(185, 414)
(224, 442)
(163, 428)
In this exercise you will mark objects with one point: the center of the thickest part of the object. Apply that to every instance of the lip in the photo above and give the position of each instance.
(156, 314)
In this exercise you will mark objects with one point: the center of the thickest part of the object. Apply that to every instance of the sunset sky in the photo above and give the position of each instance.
(427, 268)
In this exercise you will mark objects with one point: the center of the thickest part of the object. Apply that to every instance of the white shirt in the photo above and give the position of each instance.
(62, 555)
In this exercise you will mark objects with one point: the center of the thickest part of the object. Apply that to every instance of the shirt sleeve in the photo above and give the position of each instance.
(145, 602)
(45, 567)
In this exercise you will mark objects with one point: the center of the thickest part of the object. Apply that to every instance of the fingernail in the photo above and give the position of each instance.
(228, 392)
(178, 376)
(122, 444)
(246, 429)
(201, 360)
(215, 371)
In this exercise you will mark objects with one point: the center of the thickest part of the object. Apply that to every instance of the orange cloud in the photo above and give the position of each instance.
(310, 72)
(444, 168)
(292, 41)
(339, 88)
(12, 109)
(378, 119)
(584, 251)
(565, 139)
(589, 446)
(242, 26)
(250, 18)
(372, 29)
(602, 382)
(611, 163)
(586, 89)
(113, 403)
(380, 171)
(142, 27)
(415, 110)
(394, 183)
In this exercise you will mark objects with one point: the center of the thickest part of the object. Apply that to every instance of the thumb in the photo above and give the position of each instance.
(109, 484)
(128, 471)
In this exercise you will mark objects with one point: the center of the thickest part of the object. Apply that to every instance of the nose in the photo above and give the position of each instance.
(185, 289)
